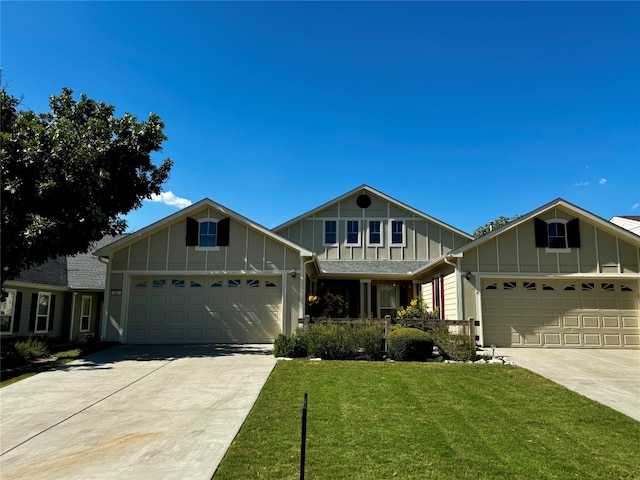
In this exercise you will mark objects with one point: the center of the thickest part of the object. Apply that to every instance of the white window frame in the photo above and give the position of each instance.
(564, 249)
(404, 233)
(83, 315)
(14, 295)
(324, 233)
(358, 242)
(42, 295)
(206, 248)
(380, 232)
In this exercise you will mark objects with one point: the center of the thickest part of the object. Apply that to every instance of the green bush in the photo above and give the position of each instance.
(294, 346)
(454, 346)
(409, 344)
(31, 348)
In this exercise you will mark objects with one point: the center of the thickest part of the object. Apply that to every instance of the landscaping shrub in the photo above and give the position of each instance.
(31, 348)
(294, 346)
(409, 344)
(454, 346)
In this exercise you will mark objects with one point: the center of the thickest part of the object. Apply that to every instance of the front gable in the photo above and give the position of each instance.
(367, 225)
(173, 244)
(556, 239)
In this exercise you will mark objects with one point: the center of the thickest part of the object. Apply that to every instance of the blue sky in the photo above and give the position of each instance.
(466, 111)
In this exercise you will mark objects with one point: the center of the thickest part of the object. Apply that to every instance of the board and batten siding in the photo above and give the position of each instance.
(424, 239)
(164, 252)
(600, 253)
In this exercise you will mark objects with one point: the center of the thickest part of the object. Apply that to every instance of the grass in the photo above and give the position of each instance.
(371, 420)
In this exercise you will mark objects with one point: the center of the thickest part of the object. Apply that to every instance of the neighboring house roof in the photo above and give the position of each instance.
(365, 188)
(185, 212)
(629, 222)
(52, 272)
(371, 267)
(83, 271)
(520, 220)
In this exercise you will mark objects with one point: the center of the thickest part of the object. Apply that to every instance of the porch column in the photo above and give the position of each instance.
(365, 298)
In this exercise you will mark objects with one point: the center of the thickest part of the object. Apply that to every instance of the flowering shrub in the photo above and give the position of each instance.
(330, 305)
(416, 309)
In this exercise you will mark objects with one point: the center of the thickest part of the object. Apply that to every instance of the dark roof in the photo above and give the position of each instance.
(83, 271)
(370, 267)
(52, 272)
(631, 217)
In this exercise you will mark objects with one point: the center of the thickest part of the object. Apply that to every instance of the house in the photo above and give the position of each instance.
(630, 222)
(203, 274)
(558, 276)
(368, 246)
(61, 298)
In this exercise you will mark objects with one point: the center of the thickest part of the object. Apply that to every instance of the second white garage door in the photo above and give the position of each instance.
(569, 313)
(237, 309)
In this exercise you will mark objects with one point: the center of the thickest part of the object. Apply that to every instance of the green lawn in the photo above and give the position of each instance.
(376, 420)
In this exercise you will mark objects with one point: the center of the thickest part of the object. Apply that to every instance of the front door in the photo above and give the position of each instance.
(387, 300)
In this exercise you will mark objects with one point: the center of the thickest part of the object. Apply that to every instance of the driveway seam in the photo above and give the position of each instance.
(87, 407)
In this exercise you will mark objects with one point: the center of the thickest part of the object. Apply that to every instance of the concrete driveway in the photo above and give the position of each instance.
(131, 412)
(608, 376)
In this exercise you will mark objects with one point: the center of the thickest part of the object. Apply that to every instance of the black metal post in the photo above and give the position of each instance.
(303, 444)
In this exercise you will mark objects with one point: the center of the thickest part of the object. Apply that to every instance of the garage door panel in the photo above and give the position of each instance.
(552, 339)
(592, 340)
(589, 321)
(610, 322)
(631, 340)
(210, 309)
(572, 339)
(532, 339)
(629, 322)
(627, 304)
(584, 313)
(570, 321)
(611, 340)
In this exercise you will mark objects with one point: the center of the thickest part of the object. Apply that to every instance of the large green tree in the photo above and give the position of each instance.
(68, 175)
(491, 226)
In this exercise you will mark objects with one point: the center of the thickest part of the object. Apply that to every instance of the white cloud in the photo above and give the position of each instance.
(581, 184)
(635, 206)
(168, 198)
(602, 181)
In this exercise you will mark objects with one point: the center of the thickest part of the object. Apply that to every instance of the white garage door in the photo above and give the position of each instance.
(584, 313)
(237, 309)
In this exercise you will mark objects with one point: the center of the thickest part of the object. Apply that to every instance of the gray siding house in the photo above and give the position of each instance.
(61, 298)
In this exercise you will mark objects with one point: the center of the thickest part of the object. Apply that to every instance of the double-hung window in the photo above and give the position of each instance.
(353, 232)
(208, 234)
(375, 232)
(397, 232)
(42, 312)
(85, 313)
(557, 235)
(330, 232)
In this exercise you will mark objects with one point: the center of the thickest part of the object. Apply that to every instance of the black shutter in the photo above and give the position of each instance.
(223, 232)
(17, 312)
(33, 312)
(192, 232)
(52, 311)
(542, 234)
(573, 233)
